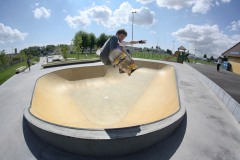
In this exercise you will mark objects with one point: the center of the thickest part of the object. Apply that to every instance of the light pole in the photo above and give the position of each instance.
(173, 46)
(132, 22)
(195, 48)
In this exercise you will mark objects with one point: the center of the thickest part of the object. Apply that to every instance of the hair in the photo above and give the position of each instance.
(121, 31)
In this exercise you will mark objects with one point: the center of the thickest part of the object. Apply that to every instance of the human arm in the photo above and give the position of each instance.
(123, 43)
(138, 42)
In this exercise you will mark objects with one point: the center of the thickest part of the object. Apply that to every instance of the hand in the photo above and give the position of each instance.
(142, 41)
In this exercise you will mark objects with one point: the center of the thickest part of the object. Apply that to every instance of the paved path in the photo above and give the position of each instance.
(209, 131)
(228, 81)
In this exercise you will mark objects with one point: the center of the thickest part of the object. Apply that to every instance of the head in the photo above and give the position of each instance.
(121, 34)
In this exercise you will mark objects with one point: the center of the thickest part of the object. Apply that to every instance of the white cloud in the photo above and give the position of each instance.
(208, 39)
(235, 26)
(103, 15)
(201, 6)
(197, 6)
(78, 21)
(10, 35)
(174, 4)
(36, 4)
(145, 1)
(226, 1)
(236, 37)
(144, 16)
(41, 12)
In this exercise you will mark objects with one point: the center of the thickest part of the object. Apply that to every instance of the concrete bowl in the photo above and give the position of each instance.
(95, 111)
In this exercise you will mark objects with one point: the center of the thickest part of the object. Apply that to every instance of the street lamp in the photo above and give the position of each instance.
(132, 22)
(173, 46)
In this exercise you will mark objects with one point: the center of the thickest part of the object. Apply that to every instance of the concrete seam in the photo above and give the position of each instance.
(235, 108)
(228, 100)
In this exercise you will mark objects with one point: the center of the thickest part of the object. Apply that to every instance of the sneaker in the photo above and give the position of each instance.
(121, 71)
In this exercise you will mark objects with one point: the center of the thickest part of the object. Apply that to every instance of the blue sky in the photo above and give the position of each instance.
(202, 26)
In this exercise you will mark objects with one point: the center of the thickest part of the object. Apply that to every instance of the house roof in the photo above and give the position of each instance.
(234, 51)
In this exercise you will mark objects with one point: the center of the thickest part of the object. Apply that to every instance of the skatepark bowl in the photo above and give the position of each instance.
(95, 111)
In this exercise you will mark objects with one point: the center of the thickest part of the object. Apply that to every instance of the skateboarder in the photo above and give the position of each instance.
(113, 52)
(28, 63)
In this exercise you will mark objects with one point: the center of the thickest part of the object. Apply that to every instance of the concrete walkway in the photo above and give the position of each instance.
(228, 81)
(209, 131)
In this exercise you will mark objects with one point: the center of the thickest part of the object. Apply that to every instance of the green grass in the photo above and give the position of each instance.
(155, 56)
(69, 62)
(147, 55)
(9, 72)
(202, 62)
(83, 56)
(73, 59)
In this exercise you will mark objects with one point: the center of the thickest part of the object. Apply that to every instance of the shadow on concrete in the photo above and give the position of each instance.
(163, 150)
(166, 148)
(131, 132)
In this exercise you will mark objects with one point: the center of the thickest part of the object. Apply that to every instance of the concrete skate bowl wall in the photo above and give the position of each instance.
(95, 111)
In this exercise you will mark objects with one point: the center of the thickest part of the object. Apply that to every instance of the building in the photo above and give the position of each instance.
(233, 55)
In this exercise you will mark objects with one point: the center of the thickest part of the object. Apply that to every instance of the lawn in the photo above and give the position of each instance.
(83, 56)
(148, 55)
(9, 72)
(163, 57)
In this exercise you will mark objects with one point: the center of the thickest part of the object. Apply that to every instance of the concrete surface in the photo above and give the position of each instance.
(102, 98)
(112, 114)
(209, 131)
(225, 85)
(228, 81)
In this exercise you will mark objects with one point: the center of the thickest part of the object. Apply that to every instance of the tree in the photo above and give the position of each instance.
(64, 49)
(4, 60)
(102, 39)
(85, 40)
(169, 51)
(211, 58)
(92, 41)
(77, 42)
(21, 56)
(204, 56)
(50, 48)
(35, 51)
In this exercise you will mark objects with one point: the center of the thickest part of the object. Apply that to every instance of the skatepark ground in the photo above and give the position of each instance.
(208, 131)
(228, 81)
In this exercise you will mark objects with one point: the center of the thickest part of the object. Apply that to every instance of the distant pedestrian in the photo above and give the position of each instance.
(219, 62)
(28, 63)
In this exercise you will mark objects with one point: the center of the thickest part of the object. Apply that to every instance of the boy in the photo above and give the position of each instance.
(113, 53)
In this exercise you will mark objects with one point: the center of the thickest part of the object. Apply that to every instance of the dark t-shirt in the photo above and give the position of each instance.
(28, 62)
(109, 45)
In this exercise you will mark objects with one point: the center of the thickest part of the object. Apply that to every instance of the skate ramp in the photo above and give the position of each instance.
(99, 97)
